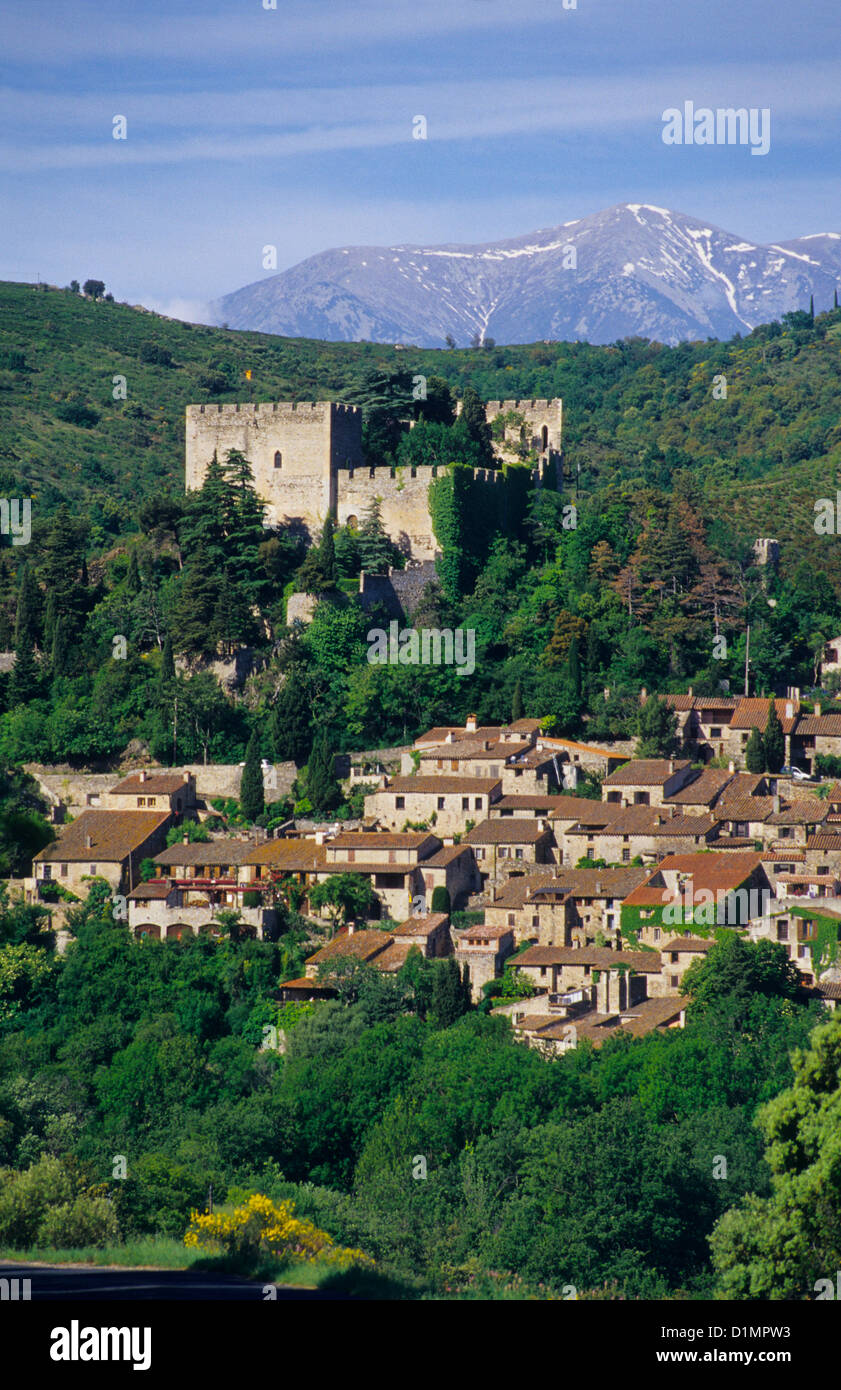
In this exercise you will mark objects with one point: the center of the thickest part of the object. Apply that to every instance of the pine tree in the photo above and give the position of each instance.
(773, 742)
(25, 679)
(812, 307)
(656, 729)
(27, 617)
(251, 787)
(58, 650)
(474, 417)
(291, 721)
(375, 550)
(321, 784)
(327, 550)
(448, 1002)
(167, 676)
(755, 752)
(517, 703)
(196, 603)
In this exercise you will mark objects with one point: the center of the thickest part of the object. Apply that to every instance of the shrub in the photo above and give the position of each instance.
(260, 1227)
(440, 899)
(84, 1221)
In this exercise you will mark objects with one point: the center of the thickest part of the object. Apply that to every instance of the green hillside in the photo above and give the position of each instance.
(634, 411)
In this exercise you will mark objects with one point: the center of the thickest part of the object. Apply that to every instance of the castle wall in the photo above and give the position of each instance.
(321, 465)
(312, 438)
(538, 414)
(405, 509)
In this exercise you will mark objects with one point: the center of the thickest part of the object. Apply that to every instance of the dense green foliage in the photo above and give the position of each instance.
(594, 1167)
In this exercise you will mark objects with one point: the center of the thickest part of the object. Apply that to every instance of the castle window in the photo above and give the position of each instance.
(544, 436)
(372, 471)
(414, 471)
(278, 459)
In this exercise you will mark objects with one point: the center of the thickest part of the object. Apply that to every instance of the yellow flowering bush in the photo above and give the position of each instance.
(260, 1226)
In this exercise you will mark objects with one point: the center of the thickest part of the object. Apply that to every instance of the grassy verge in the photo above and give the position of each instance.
(145, 1252)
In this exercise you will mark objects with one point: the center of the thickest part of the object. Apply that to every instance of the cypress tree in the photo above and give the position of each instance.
(474, 417)
(773, 743)
(755, 752)
(28, 613)
(251, 787)
(812, 307)
(58, 650)
(835, 300)
(290, 723)
(447, 993)
(573, 670)
(327, 550)
(133, 575)
(517, 703)
(25, 679)
(322, 787)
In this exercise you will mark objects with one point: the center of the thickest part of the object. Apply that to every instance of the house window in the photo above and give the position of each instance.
(614, 796)
(674, 957)
(440, 763)
(715, 733)
(518, 854)
(351, 854)
(673, 981)
(535, 921)
(141, 801)
(477, 803)
(63, 870)
(465, 803)
(511, 919)
(657, 933)
(543, 972)
(786, 832)
(626, 856)
(278, 459)
(782, 931)
(399, 803)
(93, 868)
(453, 764)
(441, 803)
(641, 798)
(503, 851)
(48, 872)
(392, 856)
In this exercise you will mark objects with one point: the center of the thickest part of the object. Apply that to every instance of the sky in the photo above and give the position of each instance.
(248, 126)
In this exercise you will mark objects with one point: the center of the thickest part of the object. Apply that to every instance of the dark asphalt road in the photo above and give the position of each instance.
(71, 1282)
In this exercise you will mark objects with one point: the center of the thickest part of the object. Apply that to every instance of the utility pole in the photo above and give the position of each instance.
(747, 661)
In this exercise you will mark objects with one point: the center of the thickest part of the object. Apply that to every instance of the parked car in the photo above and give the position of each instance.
(795, 773)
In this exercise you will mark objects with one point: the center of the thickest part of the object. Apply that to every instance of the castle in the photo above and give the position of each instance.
(307, 460)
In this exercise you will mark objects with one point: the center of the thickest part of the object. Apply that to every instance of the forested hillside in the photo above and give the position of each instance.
(129, 588)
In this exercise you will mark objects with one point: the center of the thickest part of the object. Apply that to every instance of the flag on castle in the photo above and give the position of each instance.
(248, 374)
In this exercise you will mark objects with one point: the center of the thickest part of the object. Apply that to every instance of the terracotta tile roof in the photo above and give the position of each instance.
(517, 891)
(807, 811)
(824, 840)
(716, 702)
(578, 808)
(114, 835)
(712, 872)
(679, 702)
(304, 983)
(442, 857)
(753, 713)
(149, 892)
(749, 808)
(827, 725)
(440, 786)
(421, 926)
(360, 945)
(394, 955)
(596, 883)
(523, 726)
(158, 783)
(288, 856)
(439, 734)
(472, 751)
(524, 831)
(209, 852)
(535, 801)
(474, 935)
(600, 957)
(646, 772)
(703, 790)
(829, 989)
(363, 840)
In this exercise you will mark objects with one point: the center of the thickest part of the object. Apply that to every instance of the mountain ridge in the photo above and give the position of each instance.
(635, 269)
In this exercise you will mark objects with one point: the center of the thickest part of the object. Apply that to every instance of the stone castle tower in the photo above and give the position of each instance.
(307, 460)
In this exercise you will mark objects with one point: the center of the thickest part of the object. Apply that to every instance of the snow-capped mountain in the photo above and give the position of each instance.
(632, 269)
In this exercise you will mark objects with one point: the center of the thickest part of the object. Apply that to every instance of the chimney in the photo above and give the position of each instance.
(351, 928)
(643, 695)
(818, 708)
(143, 774)
(606, 692)
(186, 777)
(731, 766)
(185, 839)
(470, 726)
(671, 765)
(689, 692)
(88, 842)
(789, 709)
(451, 738)
(777, 804)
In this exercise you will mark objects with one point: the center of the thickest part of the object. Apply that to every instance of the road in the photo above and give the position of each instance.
(71, 1282)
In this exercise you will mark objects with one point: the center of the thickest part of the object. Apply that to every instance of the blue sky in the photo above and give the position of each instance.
(293, 127)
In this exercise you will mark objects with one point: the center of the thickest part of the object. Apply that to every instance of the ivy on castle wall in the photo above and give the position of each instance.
(824, 947)
(467, 514)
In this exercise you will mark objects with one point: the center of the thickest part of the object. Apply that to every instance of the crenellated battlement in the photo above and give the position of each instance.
(272, 409)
